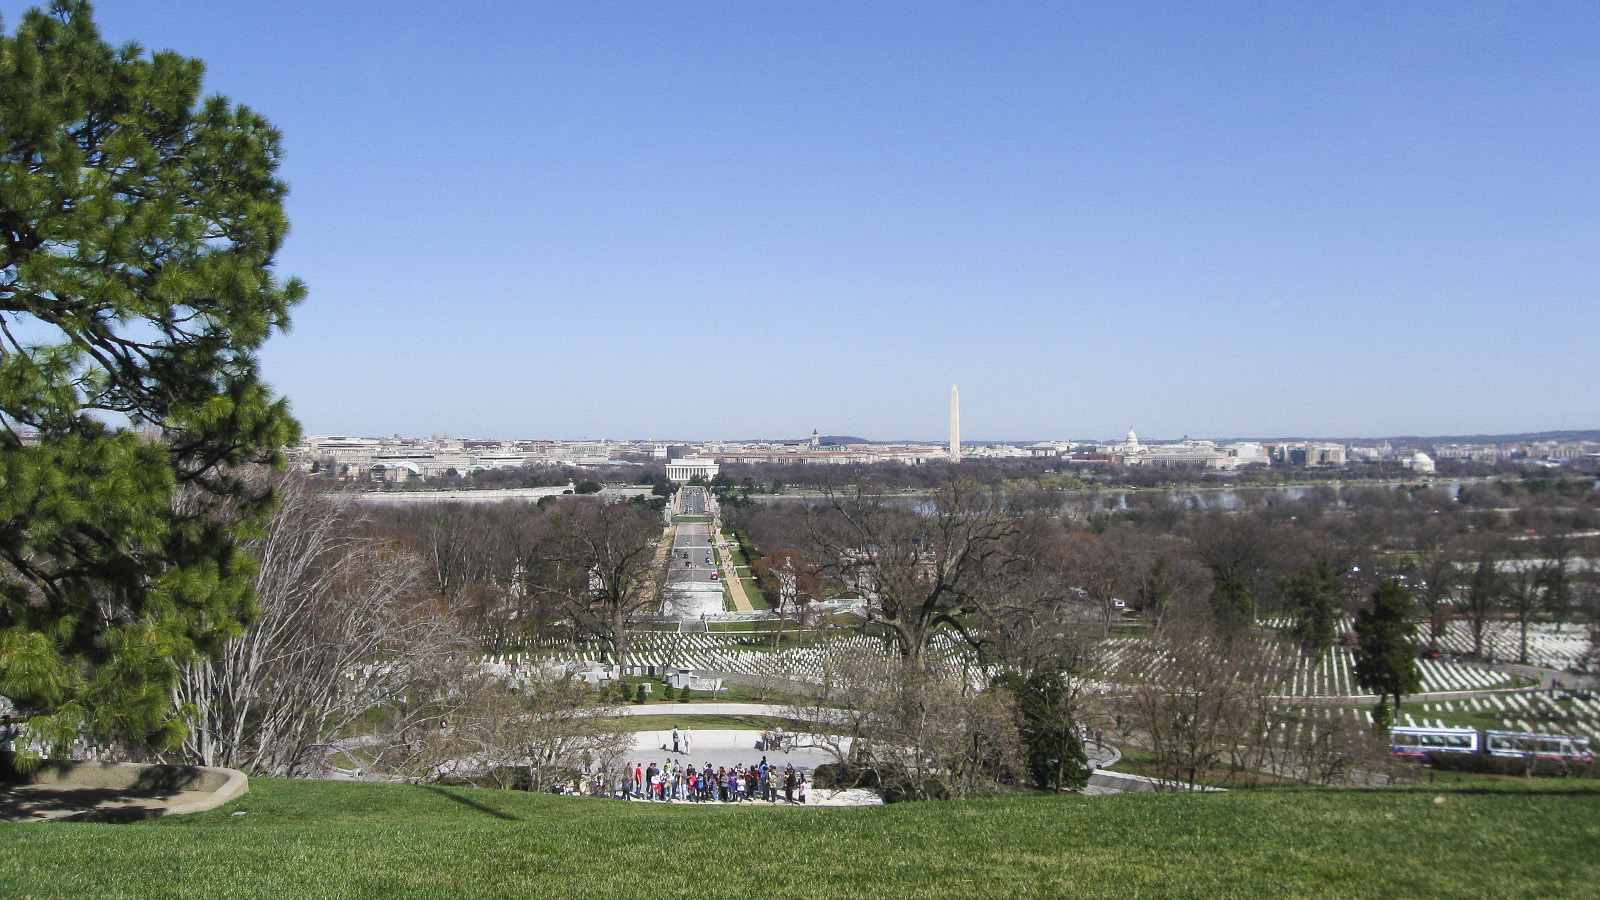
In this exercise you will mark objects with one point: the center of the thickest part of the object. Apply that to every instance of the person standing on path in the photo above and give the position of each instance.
(688, 746)
(675, 740)
(788, 784)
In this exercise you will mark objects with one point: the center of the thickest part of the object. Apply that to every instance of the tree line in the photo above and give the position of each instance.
(1019, 589)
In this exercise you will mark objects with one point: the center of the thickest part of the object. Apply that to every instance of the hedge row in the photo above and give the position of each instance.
(1486, 764)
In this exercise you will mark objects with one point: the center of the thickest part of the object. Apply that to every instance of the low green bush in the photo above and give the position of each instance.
(1486, 764)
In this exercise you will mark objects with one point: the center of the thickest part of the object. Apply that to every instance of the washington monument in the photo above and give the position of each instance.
(955, 424)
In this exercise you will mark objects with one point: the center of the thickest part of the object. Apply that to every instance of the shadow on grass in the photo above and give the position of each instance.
(466, 801)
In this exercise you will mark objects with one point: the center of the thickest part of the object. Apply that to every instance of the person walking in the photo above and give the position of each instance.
(688, 745)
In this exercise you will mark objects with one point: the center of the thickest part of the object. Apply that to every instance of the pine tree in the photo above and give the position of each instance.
(1386, 648)
(1049, 729)
(1311, 596)
(1231, 605)
(138, 226)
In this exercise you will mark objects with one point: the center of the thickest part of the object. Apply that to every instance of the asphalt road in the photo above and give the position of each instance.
(694, 502)
(691, 553)
(692, 558)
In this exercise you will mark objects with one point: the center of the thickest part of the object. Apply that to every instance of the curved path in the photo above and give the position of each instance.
(714, 708)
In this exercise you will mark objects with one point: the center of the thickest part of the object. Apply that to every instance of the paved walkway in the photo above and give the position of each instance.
(663, 550)
(723, 748)
(704, 709)
(1548, 677)
(730, 576)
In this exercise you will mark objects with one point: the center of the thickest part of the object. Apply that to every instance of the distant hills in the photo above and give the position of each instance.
(826, 439)
(1412, 439)
(1526, 437)
(1400, 440)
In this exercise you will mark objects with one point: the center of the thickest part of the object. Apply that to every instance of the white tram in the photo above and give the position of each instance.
(1422, 741)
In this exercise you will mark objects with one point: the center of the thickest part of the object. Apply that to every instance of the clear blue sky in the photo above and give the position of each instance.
(703, 221)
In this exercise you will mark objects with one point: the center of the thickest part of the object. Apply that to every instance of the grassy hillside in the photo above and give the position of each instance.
(314, 840)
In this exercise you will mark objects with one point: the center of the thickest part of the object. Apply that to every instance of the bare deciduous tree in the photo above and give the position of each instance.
(341, 638)
(1585, 586)
(1528, 573)
(595, 560)
(921, 570)
(1090, 566)
(550, 730)
(916, 731)
(1436, 575)
(1161, 575)
(1199, 702)
(1481, 599)
(1319, 745)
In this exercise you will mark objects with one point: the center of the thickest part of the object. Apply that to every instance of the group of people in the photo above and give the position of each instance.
(674, 781)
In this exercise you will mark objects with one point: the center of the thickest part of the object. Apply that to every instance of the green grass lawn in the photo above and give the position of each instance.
(709, 723)
(730, 693)
(328, 840)
(737, 626)
(752, 591)
(1456, 719)
(1465, 718)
